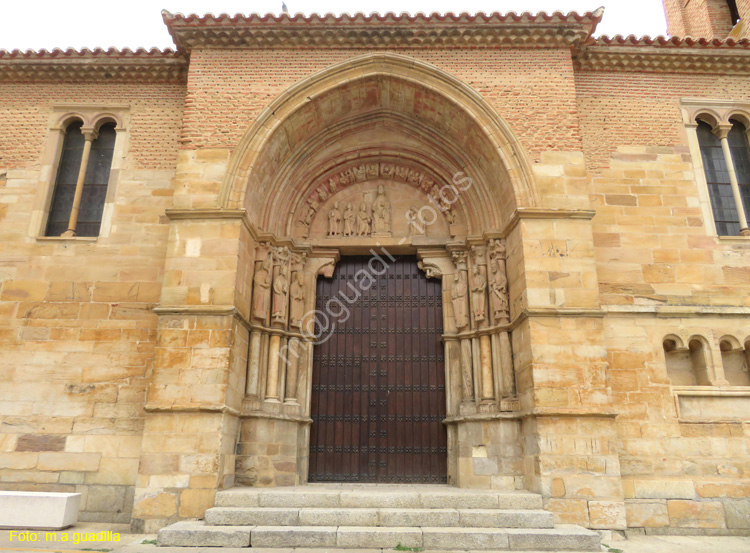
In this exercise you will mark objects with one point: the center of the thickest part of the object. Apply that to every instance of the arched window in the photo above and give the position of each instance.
(686, 366)
(723, 204)
(78, 200)
(735, 361)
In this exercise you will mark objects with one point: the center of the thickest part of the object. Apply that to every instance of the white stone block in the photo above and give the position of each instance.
(39, 510)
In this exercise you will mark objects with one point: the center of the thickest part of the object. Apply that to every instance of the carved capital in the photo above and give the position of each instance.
(430, 269)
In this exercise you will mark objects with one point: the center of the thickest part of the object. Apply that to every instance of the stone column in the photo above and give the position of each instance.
(722, 131)
(89, 136)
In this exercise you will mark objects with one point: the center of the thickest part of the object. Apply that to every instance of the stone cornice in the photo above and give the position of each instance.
(663, 54)
(381, 31)
(606, 58)
(677, 311)
(101, 65)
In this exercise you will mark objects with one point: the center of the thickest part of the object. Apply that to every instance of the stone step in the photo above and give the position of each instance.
(198, 534)
(292, 516)
(403, 497)
(563, 538)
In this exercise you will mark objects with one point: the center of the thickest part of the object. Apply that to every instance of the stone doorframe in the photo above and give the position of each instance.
(275, 416)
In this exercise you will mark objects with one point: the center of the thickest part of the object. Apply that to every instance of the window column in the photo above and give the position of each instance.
(89, 135)
(722, 131)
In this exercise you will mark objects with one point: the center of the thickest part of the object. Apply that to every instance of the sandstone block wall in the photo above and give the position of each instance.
(77, 332)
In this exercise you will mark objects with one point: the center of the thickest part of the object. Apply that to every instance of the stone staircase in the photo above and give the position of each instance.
(359, 516)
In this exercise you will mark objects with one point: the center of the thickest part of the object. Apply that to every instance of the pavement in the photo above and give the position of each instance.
(116, 538)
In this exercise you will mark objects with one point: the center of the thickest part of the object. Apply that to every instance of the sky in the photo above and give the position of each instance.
(34, 24)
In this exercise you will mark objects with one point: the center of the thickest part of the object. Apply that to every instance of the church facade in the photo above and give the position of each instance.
(483, 251)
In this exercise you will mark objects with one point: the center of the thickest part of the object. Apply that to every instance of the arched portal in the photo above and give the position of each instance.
(381, 153)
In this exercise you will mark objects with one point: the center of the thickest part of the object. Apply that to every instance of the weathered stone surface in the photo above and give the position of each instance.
(565, 538)
(387, 538)
(737, 513)
(607, 515)
(300, 536)
(471, 539)
(248, 516)
(40, 442)
(380, 499)
(197, 534)
(696, 514)
(664, 489)
(338, 517)
(645, 513)
(487, 518)
(418, 517)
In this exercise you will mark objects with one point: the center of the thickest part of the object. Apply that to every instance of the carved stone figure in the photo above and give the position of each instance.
(479, 294)
(334, 221)
(450, 217)
(261, 289)
(280, 291)
(415, 226)
(381, 208)
(297, 294)
(322, 193)
(458, 297)
(498, 292)
(497, 249)
(363, 220)
(349, 220)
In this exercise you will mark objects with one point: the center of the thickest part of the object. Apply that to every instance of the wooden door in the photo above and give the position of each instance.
(378, 391)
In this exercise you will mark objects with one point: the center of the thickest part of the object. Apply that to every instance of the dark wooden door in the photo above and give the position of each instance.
(378, 391)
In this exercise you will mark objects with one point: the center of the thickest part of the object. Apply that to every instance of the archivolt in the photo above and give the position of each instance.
(267, 144)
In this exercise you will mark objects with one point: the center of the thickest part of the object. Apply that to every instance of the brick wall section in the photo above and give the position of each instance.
(532, 89)
(156, 108)
(700, 18)
(76, 326)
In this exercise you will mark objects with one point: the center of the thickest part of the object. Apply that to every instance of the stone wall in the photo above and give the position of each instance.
(663, 276)
(76, 325)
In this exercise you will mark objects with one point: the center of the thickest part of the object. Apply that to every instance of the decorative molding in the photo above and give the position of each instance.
(274, 416)
(554, 312)
(203, 311)
(655, 59)
(223, 409)
(103, 65)
(381, 31)
(670, 311)
(208, 213)
(545, 213)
